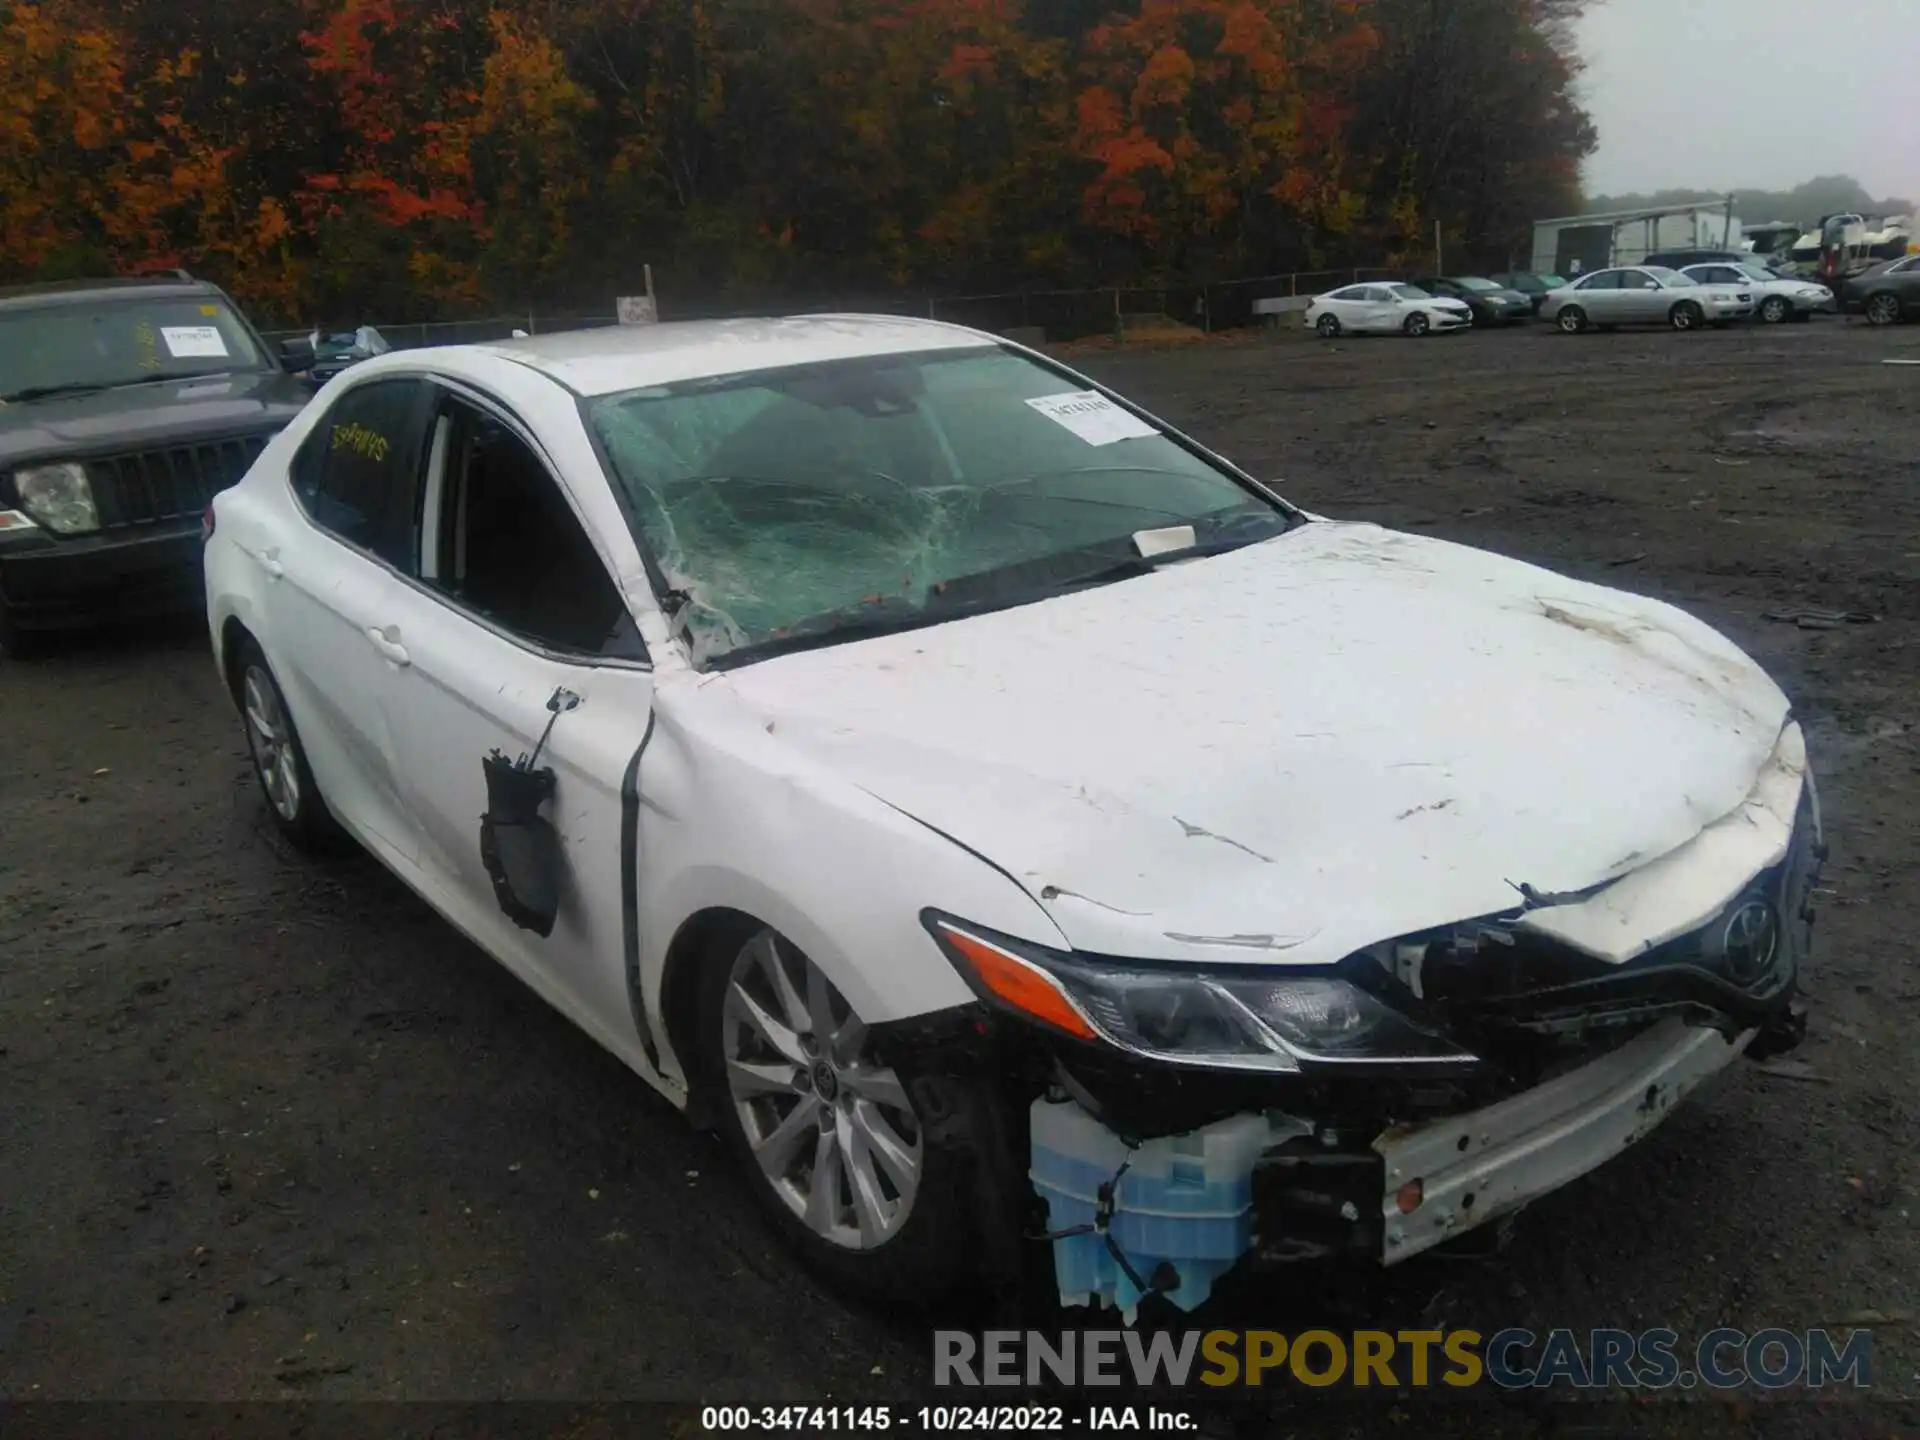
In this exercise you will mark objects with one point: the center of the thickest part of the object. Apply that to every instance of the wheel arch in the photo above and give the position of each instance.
(698, 942)
(233, 636)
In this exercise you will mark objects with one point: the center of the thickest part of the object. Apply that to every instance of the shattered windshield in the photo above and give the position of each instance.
(836, 499)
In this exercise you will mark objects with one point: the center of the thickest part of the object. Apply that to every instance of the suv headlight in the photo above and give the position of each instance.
(58, 496)
(1257, 1018)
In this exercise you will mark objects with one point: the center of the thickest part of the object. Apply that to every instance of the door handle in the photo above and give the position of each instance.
(387, 642)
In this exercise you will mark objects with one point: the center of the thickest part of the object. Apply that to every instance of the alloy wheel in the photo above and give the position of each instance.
(832, 1130)
(271, 740)
(1774, 312)
(1883, 309)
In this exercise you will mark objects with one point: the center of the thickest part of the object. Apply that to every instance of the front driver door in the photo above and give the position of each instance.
(1643, 299)
(510, 607)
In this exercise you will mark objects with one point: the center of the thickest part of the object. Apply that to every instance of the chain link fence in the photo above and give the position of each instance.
(1115, 310)
(1050, 315)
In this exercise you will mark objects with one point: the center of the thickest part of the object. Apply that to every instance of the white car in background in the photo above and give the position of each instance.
(1644, 295)
(1384, 308)
(1776, 298)
(928, 768)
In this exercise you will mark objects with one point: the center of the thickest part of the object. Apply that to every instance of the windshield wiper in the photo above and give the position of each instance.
(43, 392)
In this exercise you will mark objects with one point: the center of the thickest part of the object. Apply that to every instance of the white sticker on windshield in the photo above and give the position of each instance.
(1093, 417)
(194, 342)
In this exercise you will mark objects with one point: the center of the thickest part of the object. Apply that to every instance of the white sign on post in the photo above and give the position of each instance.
(636, 310)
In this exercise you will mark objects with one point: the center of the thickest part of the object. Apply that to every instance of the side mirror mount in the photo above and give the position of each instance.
(296, 356)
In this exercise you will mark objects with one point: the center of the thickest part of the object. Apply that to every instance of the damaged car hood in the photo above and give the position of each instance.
(1303, 747)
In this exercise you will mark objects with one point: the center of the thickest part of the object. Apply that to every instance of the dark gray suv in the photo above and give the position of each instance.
(124, 406)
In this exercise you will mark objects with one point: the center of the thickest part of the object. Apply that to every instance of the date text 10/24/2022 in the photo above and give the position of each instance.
(928, 1419)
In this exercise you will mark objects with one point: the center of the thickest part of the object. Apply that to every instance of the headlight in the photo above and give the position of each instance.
(58, 496)
(1253, 1019)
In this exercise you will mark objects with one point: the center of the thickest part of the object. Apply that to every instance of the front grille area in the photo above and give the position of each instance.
(152, 485)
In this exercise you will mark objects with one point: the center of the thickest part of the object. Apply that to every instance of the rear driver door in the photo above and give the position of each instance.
(327, 597)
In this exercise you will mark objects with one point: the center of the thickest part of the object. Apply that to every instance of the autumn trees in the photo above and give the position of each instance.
(412, 157)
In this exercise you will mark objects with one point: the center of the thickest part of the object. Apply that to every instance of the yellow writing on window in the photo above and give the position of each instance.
(368, 444)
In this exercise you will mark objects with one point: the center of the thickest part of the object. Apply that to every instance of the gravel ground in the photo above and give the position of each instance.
(271, 1130)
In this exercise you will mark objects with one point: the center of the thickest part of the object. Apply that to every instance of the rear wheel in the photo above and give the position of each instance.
(1776, 310)
(1685, 316)
(279, 759)
(1329, 326)
(1417, 324)
(1883, 309)
(827, 1135)
(1571, 320)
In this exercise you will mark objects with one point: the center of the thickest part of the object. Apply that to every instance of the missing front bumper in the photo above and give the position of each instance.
(1446, 1177)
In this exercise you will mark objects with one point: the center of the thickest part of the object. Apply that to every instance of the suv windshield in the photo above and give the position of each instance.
(120, 339)
(798, 506)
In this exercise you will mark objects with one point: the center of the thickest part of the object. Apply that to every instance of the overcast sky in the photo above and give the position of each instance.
(1759, 93)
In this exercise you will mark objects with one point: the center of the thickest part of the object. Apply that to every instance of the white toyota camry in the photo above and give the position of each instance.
(997, 814)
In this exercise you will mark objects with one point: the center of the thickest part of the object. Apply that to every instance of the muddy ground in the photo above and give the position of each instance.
(273, 1130)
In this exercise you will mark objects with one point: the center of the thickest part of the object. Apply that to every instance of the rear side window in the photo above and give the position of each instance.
(358, 473)
(1605, 280)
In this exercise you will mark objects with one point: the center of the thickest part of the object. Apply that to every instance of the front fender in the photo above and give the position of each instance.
(733, 819)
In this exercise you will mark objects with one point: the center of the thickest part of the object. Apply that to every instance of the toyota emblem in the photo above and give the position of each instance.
(1751, 941)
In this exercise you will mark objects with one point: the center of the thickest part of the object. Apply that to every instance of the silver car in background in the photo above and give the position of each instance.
(1644, 295)
(1776, 298)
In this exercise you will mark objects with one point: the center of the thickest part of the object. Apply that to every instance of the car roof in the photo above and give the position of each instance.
(631, 357)
(78, 292)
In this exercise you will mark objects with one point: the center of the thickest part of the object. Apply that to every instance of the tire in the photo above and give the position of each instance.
(1775, 310)
(1883, 309)
(909, 1245)
(1686, 316)
(1328, 326)
(279, 759)
(1571, 319)
(1417, 325)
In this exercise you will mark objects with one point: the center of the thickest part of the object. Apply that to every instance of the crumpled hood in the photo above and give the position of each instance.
(1297, 749)
(137, 416)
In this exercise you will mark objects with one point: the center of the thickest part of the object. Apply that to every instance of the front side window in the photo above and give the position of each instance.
(125, 338)
(827, 499)
(506, 545)
(358, 472)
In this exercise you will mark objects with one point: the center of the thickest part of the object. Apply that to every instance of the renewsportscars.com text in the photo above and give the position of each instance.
(1725, 1359)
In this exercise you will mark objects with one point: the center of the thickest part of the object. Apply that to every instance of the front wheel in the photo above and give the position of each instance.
(1328, 326)
(826, 1133)
(1571, 320)
(1776, 311)
(1883, 309)
(1417, 324)
(1685, 316)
